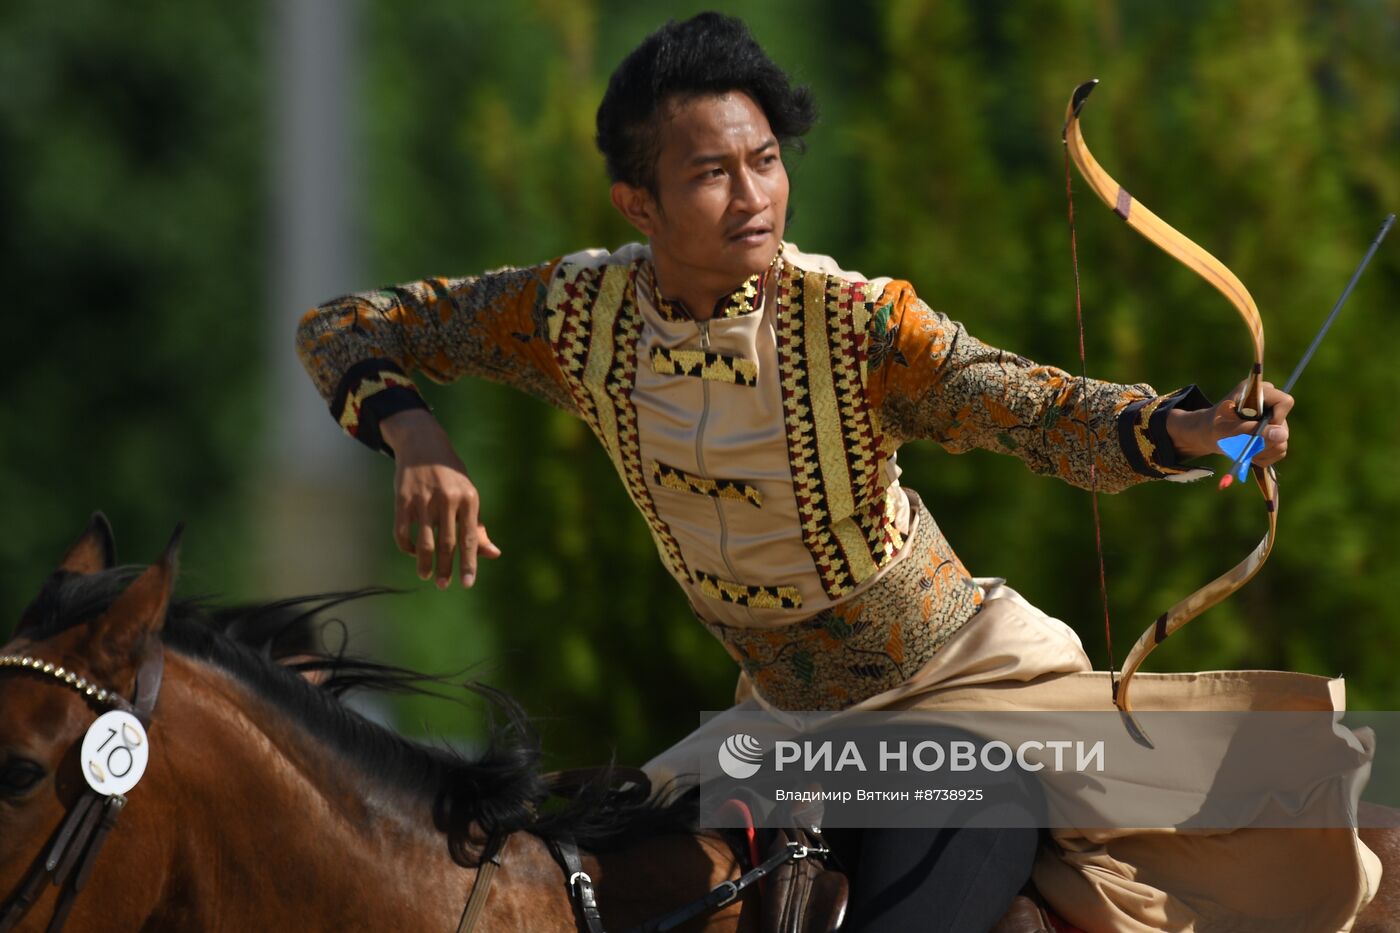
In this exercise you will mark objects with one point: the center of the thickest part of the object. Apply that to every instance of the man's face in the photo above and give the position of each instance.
(721, 188)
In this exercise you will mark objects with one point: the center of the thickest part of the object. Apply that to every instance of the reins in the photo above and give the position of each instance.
(579, 883)
(726, 892)
(73, 848)
(584, 898)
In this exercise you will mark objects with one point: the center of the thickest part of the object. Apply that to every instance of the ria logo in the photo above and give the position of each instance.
(740, 756)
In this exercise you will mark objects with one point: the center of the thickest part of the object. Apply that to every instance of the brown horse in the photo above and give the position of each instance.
(266, 803)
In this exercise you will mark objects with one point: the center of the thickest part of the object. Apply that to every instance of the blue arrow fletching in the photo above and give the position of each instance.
(1231, 447)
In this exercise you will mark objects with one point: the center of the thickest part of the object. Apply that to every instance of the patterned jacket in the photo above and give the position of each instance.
(760, 446)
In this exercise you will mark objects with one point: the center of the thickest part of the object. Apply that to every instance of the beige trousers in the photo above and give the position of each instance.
(1011, 656)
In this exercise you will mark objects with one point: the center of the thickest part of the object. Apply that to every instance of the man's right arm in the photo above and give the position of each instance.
(359, 351)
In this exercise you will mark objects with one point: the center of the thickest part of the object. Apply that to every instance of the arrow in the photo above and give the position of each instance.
(1243, 448)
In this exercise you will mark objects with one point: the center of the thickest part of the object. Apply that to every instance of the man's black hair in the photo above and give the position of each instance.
(707, 54)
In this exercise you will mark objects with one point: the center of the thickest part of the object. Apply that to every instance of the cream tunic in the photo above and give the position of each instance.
(731, 431)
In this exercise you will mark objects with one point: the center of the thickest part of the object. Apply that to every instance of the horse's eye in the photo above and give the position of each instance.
(18, 775)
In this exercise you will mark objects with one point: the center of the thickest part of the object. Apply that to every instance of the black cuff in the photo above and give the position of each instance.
(382, 405)
(1142, 431)
(369, 392)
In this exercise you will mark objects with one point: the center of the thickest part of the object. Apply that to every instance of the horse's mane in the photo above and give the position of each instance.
(499, 790)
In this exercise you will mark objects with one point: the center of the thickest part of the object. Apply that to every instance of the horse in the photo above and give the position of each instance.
(267, 802)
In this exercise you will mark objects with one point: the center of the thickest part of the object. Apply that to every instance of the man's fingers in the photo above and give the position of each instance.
(435, 512)
(1276, 434)
(1227, 414)
(446, 544)
(1281, 407)
(425, 549)
(403, 527)
(466, 519)
(1275, 445)
(485, 547)
(471, 541)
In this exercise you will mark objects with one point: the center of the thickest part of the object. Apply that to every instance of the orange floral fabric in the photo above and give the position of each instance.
(930, 379)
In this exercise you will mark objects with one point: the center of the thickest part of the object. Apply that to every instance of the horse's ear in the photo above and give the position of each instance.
(94, 551)
(139, 612)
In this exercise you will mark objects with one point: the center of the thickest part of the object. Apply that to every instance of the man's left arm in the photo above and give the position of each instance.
(930, 379)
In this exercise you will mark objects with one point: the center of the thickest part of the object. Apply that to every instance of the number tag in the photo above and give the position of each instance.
(115, 752)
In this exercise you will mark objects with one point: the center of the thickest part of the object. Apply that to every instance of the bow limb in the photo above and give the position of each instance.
(1212, 594)
(1170, 241)
(1249, 404)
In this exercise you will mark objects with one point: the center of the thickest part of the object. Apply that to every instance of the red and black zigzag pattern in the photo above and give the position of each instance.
(821, 349)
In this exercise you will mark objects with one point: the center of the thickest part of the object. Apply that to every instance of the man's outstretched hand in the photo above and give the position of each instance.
(1196, 433)
(432, 492)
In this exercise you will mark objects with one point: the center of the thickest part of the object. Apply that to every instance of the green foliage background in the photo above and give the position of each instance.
(133, 180)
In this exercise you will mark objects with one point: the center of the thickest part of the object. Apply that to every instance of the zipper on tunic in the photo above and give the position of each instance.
(705, 405)
(700, 458)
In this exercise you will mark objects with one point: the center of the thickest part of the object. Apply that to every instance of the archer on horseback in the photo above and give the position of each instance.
(752, 398)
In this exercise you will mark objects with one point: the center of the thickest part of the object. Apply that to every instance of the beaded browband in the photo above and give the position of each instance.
(71, 678)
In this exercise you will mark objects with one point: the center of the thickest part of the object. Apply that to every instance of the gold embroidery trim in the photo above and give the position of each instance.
(854, 542)
(736, 304)
(705, 364)
(597, 337)
(372, 385)
(670, 477)
(601, 352)
(826, 412)
(1144, 443)
(757, 597)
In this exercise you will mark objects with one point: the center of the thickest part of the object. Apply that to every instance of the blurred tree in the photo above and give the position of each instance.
(1266, 150)
(130, 189)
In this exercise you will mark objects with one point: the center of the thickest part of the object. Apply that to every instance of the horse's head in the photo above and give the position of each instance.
(96, 644)
(263, 789)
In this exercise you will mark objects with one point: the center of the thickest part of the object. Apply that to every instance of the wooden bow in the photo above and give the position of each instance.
(1250, 403)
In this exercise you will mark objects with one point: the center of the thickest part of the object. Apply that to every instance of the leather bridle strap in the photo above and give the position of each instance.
(726, 892)
(74, 847)
(24, 898)
(585, 900)
(581, 893)
(492, 854)
(560, 783)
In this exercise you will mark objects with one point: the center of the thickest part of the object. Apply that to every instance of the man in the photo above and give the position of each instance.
(752, 398)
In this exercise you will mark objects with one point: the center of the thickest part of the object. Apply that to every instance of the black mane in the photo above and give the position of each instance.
(501, 790)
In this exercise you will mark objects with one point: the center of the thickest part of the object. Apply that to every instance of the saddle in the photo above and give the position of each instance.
(1027, 916)
(798, 889)
(809, 896)
(802, 895)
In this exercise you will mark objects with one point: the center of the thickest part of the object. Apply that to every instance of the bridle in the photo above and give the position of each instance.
(579, 885)
(582, 895)
(73, 849)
